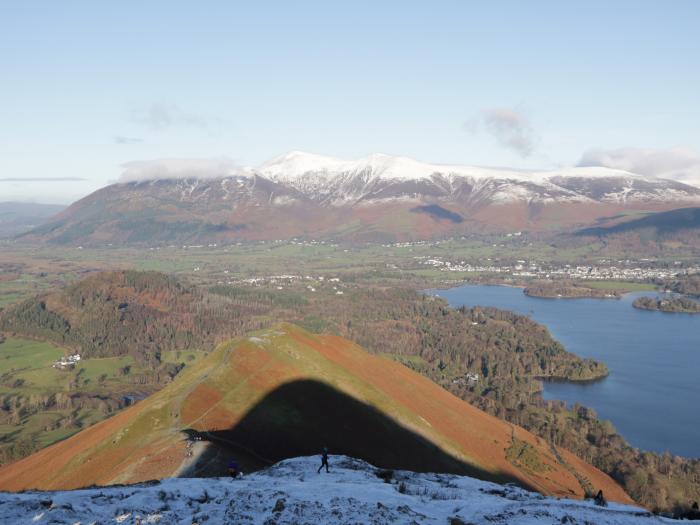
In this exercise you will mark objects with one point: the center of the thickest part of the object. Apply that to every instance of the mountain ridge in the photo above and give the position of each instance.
(306, 195)
(229, 399)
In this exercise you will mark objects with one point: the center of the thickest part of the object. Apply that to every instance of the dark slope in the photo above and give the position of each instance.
(667, 222)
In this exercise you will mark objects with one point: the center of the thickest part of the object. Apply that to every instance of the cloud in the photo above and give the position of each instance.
(41, 179)
(120, 139)
(510, 127)
(145, 170)
(679, 164)
(159, 116)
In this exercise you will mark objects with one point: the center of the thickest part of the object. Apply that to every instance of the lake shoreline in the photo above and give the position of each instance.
(634, 345)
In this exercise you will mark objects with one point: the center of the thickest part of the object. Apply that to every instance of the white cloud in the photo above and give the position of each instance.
(121, 139)
(143, 170)
(510, 127)
(679, 164)
(41, 179)
(159, 116)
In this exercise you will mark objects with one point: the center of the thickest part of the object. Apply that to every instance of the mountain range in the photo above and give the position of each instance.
(377, 198)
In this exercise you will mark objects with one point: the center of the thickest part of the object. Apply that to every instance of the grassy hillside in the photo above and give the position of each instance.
(283, 392)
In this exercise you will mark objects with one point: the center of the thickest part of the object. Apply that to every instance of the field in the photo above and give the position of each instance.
(623, 286)
(21, 355)
(27, 270)
(36, 408)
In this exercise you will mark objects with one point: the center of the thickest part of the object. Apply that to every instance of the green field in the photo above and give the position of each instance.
(26, 355)
(620, 285)
(178, 356)
(30, 362)
(28, 380)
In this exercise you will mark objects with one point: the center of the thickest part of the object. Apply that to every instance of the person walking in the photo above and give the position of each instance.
(324, 460)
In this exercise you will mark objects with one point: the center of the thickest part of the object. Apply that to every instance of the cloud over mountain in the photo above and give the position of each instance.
(679, 164)
(174, 168)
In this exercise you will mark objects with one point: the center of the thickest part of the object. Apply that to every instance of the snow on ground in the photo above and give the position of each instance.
(292, 492)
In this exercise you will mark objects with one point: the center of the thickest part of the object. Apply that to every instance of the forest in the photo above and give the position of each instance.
(670, 305)
(688, 285)
(571, 290)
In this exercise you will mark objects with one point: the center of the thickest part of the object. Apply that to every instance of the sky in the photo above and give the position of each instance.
(87, 88)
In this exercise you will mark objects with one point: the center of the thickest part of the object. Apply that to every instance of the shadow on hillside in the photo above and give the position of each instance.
(666, 222)
(301, 417)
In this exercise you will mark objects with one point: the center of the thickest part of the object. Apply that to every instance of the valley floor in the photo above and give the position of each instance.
(292, 492)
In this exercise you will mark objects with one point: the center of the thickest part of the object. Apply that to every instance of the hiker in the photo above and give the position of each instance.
(324, 460)
(233, 469)
(600, 500)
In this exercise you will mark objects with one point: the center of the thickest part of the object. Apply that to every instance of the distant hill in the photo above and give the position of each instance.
(118, 313)
(20, 217)
(377, 198)
(285, 392)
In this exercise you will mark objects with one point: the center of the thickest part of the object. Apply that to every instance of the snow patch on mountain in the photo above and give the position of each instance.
(292, 492)
(296, 164)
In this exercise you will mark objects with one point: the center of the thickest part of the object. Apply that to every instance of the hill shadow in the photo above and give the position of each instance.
(663, 222)
(439, 213)
(301, 417)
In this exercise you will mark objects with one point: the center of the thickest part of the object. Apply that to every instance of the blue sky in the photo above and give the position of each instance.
(89, 86)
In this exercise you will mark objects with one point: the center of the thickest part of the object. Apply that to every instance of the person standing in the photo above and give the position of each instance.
(600, 499)
(233, 469)
(324, 460)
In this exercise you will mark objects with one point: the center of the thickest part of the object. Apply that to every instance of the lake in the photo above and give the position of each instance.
(652, 394)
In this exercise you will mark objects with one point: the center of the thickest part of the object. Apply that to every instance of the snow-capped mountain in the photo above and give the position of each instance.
(292, 492)
(379, 197)
(381, 177)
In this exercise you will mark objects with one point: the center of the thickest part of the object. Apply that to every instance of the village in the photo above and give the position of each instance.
(623, 270)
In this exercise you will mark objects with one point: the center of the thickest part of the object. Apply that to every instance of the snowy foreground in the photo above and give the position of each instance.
(292, 492)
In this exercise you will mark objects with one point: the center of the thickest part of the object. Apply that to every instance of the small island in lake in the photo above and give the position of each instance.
(672, 305)
(567, 290)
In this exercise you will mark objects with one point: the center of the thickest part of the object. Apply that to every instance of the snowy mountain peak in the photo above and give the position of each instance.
(297, 164)
(380, 177)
